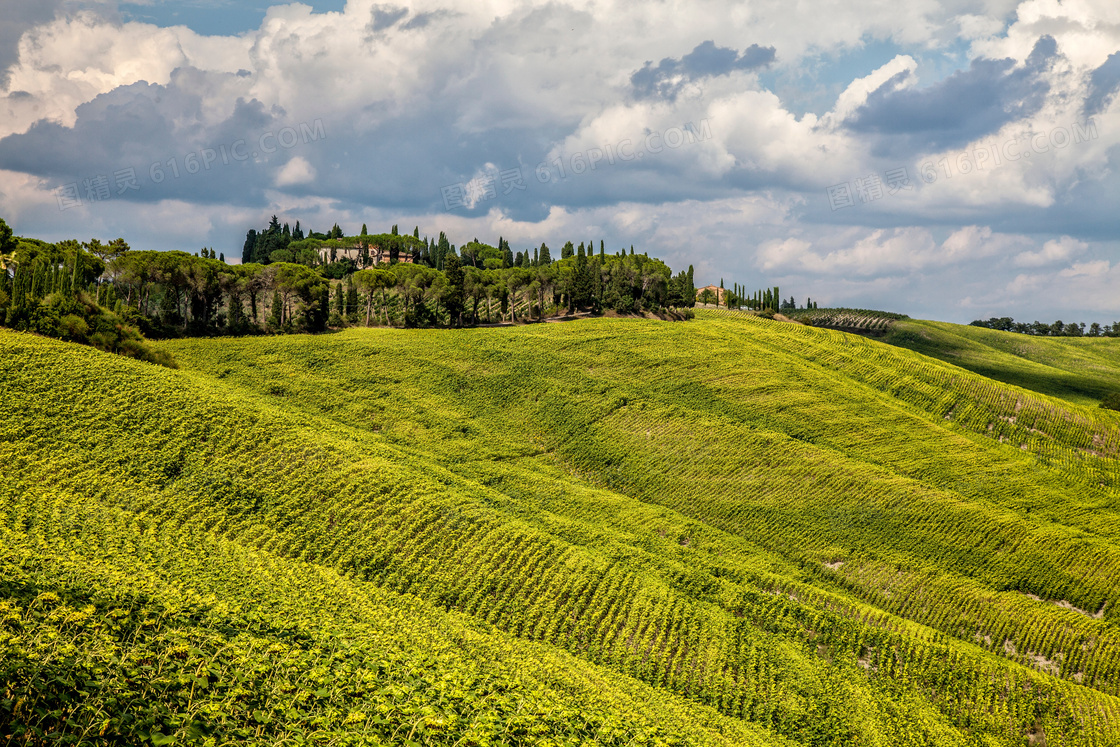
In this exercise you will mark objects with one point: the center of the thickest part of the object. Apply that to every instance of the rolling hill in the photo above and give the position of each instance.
(1081, 369)
(616, 531)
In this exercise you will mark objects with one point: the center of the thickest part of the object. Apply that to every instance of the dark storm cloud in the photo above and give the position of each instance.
(963, 107)
(141, 125)
(1103, 85)
(706, 60)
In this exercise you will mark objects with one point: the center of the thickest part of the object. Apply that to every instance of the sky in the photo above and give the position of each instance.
(948, 160)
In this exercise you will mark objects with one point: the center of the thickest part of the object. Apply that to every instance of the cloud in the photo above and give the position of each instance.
(19, 17)
(1086, 269)
(895, 75)
(296, 171)
(706, 60)
(874, 253)
(385, 16)
(1052, 251)
(980, 242)
(965, 106)
(1104, 82)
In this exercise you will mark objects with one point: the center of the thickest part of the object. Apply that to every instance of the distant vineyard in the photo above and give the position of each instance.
(846, 319)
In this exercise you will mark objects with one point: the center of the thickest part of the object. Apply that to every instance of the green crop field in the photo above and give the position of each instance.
(1081, 369)
(729, 531)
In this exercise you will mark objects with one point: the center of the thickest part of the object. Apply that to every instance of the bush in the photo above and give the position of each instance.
(1111, 402)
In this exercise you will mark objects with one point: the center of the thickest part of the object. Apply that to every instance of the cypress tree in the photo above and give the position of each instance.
(276, 317)
(250, 244)
(546, 256)
(351, 299)
(453, 299)
(365, 231)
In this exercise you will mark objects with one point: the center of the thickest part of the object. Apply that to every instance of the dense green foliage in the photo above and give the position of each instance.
(1055, 329)
(620, 531)
(108, 295)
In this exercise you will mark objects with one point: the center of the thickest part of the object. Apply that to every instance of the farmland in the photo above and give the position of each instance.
(614, 531)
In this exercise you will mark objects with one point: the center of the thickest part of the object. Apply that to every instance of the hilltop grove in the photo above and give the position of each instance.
(112, 296)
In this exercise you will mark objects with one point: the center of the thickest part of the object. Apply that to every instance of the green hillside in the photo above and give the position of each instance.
(614, 531)
(1080, 369)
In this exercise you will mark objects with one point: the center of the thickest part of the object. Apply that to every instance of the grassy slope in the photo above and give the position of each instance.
(826, 539)
(1080, 369)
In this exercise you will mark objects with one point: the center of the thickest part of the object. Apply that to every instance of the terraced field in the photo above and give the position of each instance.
(614, 531)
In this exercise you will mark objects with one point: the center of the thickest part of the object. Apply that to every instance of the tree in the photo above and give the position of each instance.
(247, 251)
(8, 246)
(453, 299)
(351, 302)
(276, 317)
(370, 282)
(544, 257)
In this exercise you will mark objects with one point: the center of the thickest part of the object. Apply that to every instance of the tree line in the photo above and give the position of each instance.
(1055, 329)
(112, 296)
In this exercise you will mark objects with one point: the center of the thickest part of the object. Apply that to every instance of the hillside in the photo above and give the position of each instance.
(1080, 369)
(617, 531)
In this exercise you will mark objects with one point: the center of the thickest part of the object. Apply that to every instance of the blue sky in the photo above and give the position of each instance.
(948, 160)
(210, 17)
